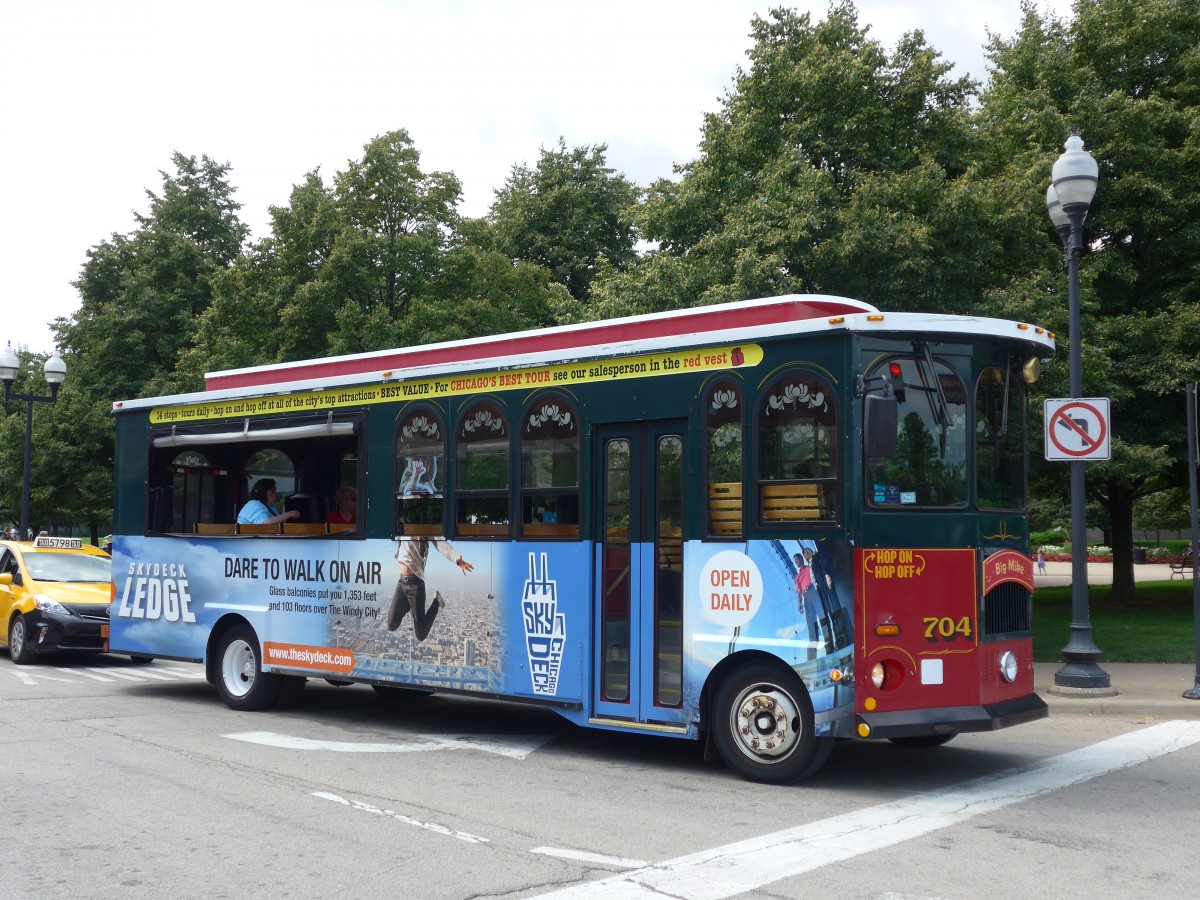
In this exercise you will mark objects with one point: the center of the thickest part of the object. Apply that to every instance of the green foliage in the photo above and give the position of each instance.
(832, 167)
(567, 214)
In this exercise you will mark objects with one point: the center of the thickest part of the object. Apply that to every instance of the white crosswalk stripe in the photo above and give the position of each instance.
(83, 673)
(43, 673)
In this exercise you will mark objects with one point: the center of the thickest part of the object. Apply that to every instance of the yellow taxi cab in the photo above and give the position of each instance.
(54, 595)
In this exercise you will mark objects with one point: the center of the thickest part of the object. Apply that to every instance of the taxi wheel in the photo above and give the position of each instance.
(242, 683)
(19, 646)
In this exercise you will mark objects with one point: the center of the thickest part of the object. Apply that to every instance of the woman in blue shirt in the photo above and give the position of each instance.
(260, 508)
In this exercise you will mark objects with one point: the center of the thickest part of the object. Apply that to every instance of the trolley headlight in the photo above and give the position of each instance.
(1008, 666)
(877, 674)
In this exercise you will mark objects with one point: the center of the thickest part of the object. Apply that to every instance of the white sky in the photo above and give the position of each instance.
(96, 95)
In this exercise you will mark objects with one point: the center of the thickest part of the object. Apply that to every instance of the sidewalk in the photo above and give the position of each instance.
(1144, 691)
(1058, 574)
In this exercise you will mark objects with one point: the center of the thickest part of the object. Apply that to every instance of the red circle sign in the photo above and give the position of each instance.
(1062, 419)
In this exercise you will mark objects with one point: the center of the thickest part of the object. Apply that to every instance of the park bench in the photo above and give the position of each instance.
(1183, 568)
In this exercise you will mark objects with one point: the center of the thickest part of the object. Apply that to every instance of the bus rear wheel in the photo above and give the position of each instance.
(763, 725)
(241, 682)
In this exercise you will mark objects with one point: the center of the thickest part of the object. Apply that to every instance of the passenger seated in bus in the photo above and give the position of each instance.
(345, 503)
(260, 508)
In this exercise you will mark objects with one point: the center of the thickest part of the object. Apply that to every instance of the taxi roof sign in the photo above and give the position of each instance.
(58, 543)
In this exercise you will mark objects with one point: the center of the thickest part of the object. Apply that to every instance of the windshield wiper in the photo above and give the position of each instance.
(941, 409)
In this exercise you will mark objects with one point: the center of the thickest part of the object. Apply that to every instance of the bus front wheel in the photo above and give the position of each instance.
(763, 725)
(242, 683)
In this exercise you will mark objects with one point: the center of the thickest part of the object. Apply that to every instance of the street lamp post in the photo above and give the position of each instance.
(1072, 187)
(56, 373)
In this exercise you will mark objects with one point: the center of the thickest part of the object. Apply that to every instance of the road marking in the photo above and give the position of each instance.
(140, 671)
(408, 820)
(116, 673)
(81, 672)
(196, 672)
(512, 746)
(618, 861)
(22, 675)
(751, 864)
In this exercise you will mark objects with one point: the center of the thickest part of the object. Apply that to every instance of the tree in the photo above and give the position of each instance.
(142, 294)
(1129, 77)
(567, 214)
(833, 166)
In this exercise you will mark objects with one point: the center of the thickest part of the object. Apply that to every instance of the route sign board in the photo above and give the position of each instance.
(1078, 429)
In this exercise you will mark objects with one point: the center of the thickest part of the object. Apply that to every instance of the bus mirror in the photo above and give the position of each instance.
(879, 426)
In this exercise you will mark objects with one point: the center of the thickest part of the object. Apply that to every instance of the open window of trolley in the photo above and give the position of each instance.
(201, 475)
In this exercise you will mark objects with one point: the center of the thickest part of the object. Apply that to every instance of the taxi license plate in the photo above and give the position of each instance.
(103, 631)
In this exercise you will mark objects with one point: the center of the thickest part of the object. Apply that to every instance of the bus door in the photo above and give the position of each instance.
(639, 591)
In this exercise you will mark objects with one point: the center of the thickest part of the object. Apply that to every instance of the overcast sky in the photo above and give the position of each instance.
(96, 96)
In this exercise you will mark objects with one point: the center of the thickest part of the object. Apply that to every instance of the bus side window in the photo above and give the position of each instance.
(723, 410)
(481, 472)
(550, 469)
(420, 473)
(797, 451)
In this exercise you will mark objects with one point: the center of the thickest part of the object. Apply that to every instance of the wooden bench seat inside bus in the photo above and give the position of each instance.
(304, 528)
(792, 502)
(214, 528)
(670, 549)
(725, 508)
(540, 529)
(258, 529)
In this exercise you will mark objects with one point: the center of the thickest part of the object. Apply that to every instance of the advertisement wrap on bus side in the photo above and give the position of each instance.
(337, 609)
(517, 624)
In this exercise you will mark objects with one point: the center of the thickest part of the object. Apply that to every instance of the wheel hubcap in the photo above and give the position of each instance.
(239, 668)
(16, 640)
(765, 722)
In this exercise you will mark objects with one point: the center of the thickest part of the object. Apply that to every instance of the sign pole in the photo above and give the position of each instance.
(1193, 438)
(1081, 672)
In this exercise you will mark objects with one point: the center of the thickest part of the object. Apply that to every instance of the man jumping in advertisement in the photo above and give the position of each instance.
(411, 554)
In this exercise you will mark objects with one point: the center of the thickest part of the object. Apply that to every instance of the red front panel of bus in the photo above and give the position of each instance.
(917, 613)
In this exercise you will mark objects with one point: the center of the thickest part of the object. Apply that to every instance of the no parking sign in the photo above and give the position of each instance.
(1078, 429)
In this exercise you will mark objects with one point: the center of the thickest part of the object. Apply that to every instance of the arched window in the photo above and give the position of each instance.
(271, 463)
(550, 468)
(481, 471)
(797, 451)
(723, 409)
(420, 473)
(192, 490)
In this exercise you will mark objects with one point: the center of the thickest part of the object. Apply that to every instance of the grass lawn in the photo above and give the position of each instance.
(1157, 627)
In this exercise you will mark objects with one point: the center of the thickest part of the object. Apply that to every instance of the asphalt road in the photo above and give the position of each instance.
(135, 781)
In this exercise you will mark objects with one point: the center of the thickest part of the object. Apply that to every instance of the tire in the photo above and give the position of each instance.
(140, 660)
(19, 646)
(763, 725)
(924, 742)
(241, 682)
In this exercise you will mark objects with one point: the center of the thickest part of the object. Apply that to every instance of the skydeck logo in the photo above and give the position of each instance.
(545, 627)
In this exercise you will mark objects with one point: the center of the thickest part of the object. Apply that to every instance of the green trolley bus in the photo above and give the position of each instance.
(767, 525)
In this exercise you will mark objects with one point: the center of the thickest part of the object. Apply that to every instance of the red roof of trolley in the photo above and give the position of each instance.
(727, 322)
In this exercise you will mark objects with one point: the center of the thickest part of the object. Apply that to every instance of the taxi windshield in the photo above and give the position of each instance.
(74, 567)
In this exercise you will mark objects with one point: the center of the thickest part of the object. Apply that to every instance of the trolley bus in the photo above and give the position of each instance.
(767, 525)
